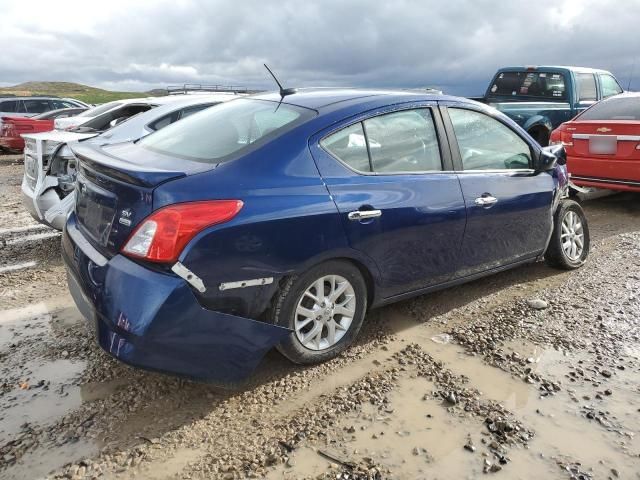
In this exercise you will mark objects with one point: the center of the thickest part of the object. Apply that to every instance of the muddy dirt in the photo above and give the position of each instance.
(532, 373)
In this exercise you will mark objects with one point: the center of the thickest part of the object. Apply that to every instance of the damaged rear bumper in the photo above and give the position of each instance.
(153, 320)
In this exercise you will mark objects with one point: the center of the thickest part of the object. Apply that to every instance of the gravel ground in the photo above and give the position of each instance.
(532, 373)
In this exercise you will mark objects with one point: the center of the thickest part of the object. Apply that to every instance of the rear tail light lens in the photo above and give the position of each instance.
(567, 139)
(162, 236)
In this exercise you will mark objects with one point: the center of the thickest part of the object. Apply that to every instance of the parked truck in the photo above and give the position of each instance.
(539, 99)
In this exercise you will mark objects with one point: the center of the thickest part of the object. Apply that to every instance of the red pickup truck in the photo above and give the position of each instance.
(11, 128)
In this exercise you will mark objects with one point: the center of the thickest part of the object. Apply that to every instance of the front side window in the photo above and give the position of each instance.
(586, 87)
(487, 144)
(530, 84)
(609, 85)
(219, 134)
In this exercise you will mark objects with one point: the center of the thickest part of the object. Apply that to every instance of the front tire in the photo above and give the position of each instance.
(324, 308)
(570, 240)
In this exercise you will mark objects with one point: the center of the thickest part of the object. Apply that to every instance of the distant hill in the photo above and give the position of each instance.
(73, 90)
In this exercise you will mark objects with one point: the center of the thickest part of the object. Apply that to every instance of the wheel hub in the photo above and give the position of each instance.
(325, 312)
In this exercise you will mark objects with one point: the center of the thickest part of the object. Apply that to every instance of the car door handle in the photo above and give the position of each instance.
(486, 200)
(358, 215)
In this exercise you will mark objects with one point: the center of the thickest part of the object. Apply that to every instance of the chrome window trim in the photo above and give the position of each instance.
(499, 170)
(605, 180)
(620, 138)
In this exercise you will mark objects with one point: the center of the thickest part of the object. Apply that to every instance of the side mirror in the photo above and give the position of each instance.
(550, 157)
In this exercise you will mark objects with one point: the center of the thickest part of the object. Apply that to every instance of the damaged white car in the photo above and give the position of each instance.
(50, 167)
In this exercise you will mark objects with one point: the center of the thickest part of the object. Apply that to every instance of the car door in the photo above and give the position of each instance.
(390, 177)
(509, 215)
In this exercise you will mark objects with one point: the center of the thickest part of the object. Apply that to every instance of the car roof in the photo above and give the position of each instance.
(552, 68)
(323, 98)
(221, 97)
(31, 97)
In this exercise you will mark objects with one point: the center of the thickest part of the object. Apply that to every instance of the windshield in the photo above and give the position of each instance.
(219, 134)
(92, 112)
(614, 108)
(530, 84)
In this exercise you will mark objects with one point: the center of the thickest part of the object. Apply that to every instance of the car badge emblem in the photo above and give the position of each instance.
(125, 217)
(603, 129)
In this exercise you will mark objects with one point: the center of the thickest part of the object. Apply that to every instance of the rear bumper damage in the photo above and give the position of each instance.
(152, 320)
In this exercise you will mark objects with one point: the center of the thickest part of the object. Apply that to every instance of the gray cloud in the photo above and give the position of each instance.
(455, 45)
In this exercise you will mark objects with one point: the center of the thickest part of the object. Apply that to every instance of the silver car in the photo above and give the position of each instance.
(50, 166)
(31, 106)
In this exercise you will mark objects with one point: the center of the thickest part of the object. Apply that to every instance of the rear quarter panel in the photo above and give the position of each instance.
(287, 224)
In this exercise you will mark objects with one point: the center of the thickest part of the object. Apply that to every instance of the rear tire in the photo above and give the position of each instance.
(570, 241)
(324, 307)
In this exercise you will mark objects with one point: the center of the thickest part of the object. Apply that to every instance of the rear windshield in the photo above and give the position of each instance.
(614, 108)
(225, 131)
(530, 84)
(95, 111)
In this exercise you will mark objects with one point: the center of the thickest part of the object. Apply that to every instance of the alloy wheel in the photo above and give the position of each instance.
(325, 312)
(572, 236)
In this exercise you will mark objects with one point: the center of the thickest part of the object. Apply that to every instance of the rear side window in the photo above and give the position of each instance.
(100, 109)
(487, 144)
(616, 108)
(12, 106)
(163, 121)
(609, 86)
(530, 84)
(37, 106)
(586, 87)
(196, 108)
(403, 142)
(399, 142)
(61, 104)
(220, 134)
(349, 145)
(103, 122)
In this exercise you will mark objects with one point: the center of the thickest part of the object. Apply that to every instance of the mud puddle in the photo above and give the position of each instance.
(418, 438)
(39, 463)
(45, 393)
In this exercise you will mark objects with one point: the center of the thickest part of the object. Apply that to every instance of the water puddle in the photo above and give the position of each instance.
(18, 324)
(39, 463)
(45, 393)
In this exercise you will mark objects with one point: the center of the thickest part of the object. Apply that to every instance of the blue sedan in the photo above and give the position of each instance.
(276, 221)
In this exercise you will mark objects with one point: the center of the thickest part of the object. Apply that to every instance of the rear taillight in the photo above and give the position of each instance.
(567, 139)
(162, 236)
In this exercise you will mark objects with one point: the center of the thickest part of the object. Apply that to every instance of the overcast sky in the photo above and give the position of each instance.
(455, 45)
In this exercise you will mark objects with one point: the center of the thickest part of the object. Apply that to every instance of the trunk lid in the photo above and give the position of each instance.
(114, 190)
(606, 140)
(15, 126)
